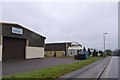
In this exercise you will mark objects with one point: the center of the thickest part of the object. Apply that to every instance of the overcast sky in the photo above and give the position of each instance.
(83, 22)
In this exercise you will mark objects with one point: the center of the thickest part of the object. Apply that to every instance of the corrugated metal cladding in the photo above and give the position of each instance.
(16, 40)
(34, 39)
(56, 46)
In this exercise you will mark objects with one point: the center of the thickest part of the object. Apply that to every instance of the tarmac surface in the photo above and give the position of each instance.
(111, 70)
(19, 66)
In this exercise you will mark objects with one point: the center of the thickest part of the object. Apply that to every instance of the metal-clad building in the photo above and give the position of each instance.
(61, 49)
(56, 49)
(17, 42)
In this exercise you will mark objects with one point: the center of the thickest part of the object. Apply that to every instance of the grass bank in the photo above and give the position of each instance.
(54, 72)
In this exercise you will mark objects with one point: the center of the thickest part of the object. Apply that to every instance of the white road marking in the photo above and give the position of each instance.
(112, 71)
(108, 69)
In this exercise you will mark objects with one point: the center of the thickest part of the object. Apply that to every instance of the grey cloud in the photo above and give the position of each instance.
(81, 22)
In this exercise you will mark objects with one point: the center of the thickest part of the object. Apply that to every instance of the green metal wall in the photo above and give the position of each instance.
(35, 39)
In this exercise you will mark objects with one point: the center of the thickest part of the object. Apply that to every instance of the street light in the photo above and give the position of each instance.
(104, 40)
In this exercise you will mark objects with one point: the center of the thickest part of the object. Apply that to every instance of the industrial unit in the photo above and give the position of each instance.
(63, 48)
(18, 42)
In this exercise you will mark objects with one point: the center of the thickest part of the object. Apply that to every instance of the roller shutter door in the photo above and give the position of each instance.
(13, 48)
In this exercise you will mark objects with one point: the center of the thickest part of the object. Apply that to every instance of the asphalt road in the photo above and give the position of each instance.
(20, 66)
(91, 71)
(111, 70)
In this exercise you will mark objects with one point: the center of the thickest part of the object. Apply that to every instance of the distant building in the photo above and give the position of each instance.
(74, 48)
(61, 49)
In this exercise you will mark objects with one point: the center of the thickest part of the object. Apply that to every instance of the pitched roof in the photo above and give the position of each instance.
(13, 23)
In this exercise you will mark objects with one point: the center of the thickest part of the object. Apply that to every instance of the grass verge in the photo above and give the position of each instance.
(54, 72)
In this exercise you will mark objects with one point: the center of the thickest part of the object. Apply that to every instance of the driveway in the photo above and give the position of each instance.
(18, 66)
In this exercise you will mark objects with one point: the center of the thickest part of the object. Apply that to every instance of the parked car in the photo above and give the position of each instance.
(82, 55)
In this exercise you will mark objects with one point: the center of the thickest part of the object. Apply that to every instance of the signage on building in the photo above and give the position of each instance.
(17, 30)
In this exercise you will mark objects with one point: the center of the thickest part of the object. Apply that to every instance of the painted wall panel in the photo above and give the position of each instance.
(0, 52)
(34, 52)
(59, 53)
(52, 53)
(49, 53)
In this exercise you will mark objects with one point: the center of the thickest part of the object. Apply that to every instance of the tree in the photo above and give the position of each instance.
(84, 49)
(89, 51)
(94, 53)
(119, 52)
(108, 52)
(116, 52)
(101, 53)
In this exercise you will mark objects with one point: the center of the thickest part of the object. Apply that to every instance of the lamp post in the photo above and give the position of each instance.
(104, 40)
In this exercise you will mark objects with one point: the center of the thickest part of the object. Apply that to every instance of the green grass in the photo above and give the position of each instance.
(55, 72)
